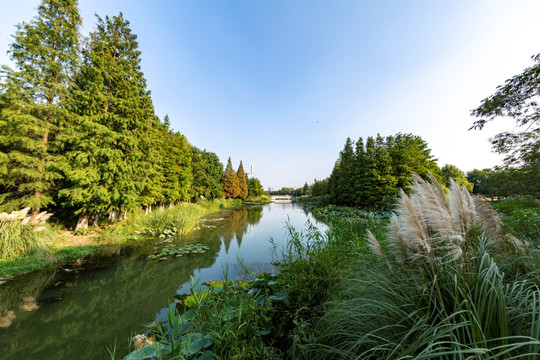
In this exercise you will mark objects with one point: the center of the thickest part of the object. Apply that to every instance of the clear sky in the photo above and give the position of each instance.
(281, 84)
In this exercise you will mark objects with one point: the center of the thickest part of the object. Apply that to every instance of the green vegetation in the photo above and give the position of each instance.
(500, 183)
(178, 251)
(78, 132)
(437, 279)
(23, 249)
(521, 216)
(517, 99)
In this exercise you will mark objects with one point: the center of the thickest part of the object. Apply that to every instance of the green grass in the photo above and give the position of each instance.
(521, 217)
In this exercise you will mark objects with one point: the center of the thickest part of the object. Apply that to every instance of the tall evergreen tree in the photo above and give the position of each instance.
(345, 182)
(117, 125)
(242, 183)
(230, 182)
(359, 173)
(45, 52)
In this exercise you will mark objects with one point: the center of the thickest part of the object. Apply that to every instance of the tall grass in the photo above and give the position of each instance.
(18, 239)
(182, 218)
(447, 283)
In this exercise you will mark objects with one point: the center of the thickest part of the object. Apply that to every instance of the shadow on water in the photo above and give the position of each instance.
(77, 311)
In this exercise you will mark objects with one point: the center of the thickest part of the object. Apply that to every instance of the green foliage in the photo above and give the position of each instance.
(521, 216)
(254, 187)
(242, 183)
(227, 321)
(421, 297)
(320, 187)
(501, 183)
(182, 218)
(517, 99)
(114, 138)
(178, 251)
(17, 239)
(452, 172)
(370, 175)
(45, 52)
(230, 182)
(207, 174)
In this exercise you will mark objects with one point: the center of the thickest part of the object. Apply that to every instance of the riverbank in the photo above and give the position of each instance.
(344, 294)
(61, 246)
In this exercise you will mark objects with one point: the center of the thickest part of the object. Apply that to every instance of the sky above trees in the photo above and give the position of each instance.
(280, 85)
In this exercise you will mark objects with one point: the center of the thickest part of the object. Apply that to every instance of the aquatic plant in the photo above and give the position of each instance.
(178, 251)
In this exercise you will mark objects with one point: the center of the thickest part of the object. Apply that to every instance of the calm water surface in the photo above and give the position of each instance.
(78, 311)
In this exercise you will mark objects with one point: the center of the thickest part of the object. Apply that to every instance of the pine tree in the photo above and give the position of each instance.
(45, 52)
(230, 182)
(359, 173)
(345, 182)
(117, 129)
(242, 183)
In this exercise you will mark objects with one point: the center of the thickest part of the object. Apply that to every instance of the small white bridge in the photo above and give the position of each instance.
(281, 198)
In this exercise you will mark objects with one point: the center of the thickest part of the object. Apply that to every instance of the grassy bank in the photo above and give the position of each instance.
(439, 280)
(23, 249)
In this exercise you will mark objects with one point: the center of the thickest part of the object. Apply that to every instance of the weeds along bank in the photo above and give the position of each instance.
(439, 278)
(25, 247)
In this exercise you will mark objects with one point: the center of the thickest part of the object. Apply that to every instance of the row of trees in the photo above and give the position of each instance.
(237, 185)
(78, 128)
(504, 182)
(369, 174)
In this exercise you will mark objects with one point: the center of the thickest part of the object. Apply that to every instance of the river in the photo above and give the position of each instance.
(81, 310)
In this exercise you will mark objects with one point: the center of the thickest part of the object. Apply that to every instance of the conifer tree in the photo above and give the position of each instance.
(230, 182)
(242, 183)
(116, 129)
(345, 186)
(359, 173)
(45, 52)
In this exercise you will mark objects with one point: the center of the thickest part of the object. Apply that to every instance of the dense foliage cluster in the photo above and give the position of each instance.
(503, 183)
(78, 131)
(369, 175)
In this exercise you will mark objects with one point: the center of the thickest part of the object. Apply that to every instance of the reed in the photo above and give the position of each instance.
(451, 285)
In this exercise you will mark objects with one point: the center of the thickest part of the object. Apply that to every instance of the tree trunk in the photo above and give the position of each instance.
(112, 215)
(94, 219)
(161, 207)
(171, 204)
(83, 222)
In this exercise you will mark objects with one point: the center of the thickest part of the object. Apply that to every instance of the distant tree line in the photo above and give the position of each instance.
(78, 130)
(369, 174)
(504, 182)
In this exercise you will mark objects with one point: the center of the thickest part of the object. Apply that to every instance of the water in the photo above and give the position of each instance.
(81, 310)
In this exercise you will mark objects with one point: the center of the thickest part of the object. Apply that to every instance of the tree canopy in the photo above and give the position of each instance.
(371, 174)
(517, 99)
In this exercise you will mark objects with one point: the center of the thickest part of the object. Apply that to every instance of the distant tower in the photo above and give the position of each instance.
(251, 170)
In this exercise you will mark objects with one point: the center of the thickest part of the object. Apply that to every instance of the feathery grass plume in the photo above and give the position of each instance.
(375, 247)
(461, 207)
(411, 224)
(399, 245)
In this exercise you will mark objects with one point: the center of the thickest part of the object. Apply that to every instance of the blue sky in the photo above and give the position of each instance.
(280, 85)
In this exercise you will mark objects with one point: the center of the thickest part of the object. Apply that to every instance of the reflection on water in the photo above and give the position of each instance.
(76, 312)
